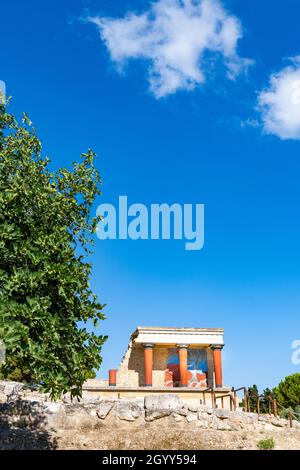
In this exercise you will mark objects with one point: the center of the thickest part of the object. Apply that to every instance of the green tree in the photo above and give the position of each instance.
(253, 394)
(287, 393)
(265, 400)
(46, 234)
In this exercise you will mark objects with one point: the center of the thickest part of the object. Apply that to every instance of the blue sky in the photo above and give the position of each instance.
(231, 143)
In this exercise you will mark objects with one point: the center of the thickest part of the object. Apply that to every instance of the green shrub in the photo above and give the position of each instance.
(266, 444)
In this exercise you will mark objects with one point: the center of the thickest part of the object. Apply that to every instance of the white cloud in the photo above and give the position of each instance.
(173, 36)
(280, 102)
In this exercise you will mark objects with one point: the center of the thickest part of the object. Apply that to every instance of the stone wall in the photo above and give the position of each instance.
(160, 359)
(30, 420)
(193, 396)
(131, 371)
(18, 405)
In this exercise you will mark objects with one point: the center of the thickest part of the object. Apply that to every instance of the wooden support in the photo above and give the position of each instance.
(246, 400)
(234, 401)
(213, 399)
(291, 419)
(258, 406)
(275, 408)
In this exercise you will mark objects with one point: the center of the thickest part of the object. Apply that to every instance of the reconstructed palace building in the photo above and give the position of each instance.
(171, 357)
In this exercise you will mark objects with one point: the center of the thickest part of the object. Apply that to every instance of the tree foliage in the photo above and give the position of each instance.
(287, 393)
(253, 394)
(264, 399)
(267, 396)
(46, 234)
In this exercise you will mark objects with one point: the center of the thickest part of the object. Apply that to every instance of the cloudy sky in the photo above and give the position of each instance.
(188, 102)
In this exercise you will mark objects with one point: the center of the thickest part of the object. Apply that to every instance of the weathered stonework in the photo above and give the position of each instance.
(131, 372)
(29, 420)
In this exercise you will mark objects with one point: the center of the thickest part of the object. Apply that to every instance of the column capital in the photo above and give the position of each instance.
(148, 345)
(182, 346)
(217, 347)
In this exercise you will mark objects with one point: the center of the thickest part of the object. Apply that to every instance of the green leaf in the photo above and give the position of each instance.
(46, 233)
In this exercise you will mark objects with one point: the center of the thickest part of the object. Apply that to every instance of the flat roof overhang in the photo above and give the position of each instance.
(172, 335)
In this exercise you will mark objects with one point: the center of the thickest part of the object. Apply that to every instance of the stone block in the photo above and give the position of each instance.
(11, 389)
(222, 414)
(129, 410)
(191, 417)
(104, 408)
(158, 406)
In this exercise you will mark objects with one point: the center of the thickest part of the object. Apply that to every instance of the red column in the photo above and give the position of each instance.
(112, 377)
(217, 355)
(183, 370)
(148, 357)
